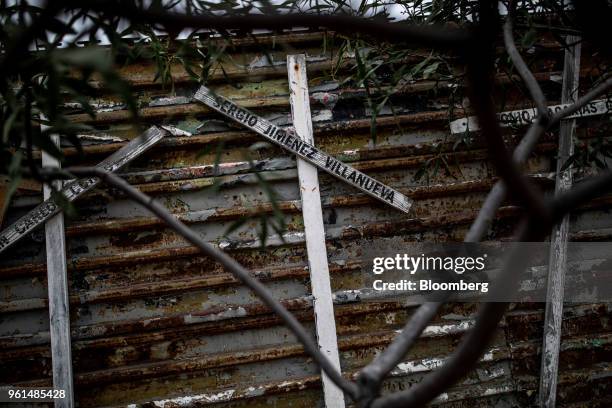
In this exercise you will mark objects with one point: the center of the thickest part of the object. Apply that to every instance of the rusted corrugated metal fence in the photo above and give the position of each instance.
(155, 323)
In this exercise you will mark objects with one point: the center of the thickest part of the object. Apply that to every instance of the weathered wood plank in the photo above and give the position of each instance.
(524, 117)
(559, 237)
(74, 189)
(57, 282)
(313, 228)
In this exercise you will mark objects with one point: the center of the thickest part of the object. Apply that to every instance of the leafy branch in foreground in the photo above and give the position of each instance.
(476, 49)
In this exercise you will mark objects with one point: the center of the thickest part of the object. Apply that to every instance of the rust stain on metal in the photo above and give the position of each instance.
(155, 323)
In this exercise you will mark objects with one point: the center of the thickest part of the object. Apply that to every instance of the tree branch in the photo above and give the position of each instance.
(229, 264)
(498, 193)
(438, 37)
(372, 375)
(470, 349)
(477, 51)
(491, 313)
(588, 97)
(521, 67)
(471, 346)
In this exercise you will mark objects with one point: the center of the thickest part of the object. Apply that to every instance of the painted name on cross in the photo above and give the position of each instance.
(524, 117)
(76, 188)
(291, 142)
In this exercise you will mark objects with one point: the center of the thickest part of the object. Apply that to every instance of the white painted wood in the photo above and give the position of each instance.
(57, 274)
(559, 237)
(524, 117)
(313, 228)
(57, 281)
(74, 189)
(305, 150)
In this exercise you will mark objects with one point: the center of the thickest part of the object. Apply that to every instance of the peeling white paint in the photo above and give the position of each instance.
(173, 100)
(350, 153)
(325, 87)
(440, 330)
(327, 99)
(255, 391)
(410, 367)
(194, 399)
(100, 138)
(99, 107)
(229, 313)
(197, 216)
(261, 61)
(322, 116)
(174, 131)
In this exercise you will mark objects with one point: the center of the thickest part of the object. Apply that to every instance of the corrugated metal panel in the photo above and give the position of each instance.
(154, 321)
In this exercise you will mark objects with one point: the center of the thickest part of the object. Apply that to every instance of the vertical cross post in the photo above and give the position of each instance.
(57, 282)
(313, 228)
(557, 265)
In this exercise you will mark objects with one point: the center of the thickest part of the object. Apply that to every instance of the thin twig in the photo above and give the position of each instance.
(229, 264)
(480, 64)
(372, 375)
(586, 98)
(498, 193)
(479, 59)
(382, 365)
(438, 381)
(470, 348)
(395, 352)
(438, 37)
(581, 193)
(521, 67)
(472, 345)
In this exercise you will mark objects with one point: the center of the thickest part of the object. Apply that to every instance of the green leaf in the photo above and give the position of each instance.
(263, 232)
(8, 124)
(59, 27)
(430, 69)
(373, 132)
(14, 180)
(418, 67)
(89, 57)
(235, 225)
(420, 173)
(67, 206)
(571, 160)
(44, 142)
(529, 38)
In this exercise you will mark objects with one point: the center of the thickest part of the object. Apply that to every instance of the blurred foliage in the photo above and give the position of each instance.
(49, 58)
(595, 153)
